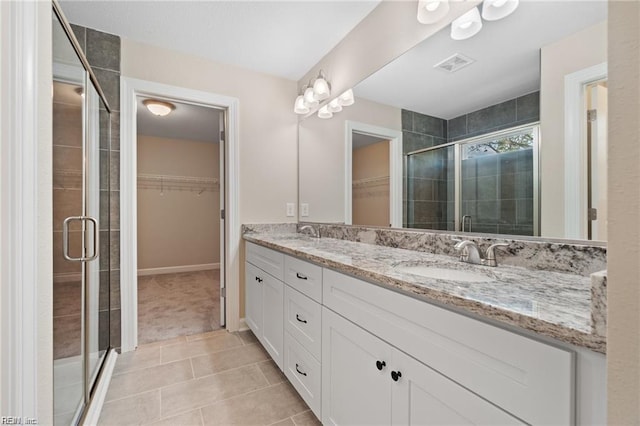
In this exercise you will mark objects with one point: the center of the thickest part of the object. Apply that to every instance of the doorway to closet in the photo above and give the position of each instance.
(180, 233)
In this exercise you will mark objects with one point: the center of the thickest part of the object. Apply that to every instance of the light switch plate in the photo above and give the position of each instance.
(291, 209)
(304, 209)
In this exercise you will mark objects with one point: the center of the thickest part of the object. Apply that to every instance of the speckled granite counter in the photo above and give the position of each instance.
(552, 304)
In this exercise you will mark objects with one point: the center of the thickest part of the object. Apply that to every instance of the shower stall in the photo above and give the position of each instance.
(486, 184)
(81, 227)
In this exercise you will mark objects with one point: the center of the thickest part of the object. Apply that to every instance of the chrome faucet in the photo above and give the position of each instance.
(315, 233)
(470, 253)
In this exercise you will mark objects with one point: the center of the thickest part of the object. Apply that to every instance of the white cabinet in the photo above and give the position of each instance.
(368, 381)
(264, 299)
(356, 386)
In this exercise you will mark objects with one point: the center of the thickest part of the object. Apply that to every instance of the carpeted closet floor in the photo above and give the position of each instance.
(182, 304)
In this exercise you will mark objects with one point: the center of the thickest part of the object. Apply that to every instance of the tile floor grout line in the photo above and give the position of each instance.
(201, 416)
(193, 371)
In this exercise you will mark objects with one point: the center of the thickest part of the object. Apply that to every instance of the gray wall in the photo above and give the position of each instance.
(103, 53)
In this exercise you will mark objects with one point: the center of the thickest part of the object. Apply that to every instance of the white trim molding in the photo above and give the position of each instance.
(575, 149)
(395, 169)
(178, 269)
(26, 338)
(130, 88)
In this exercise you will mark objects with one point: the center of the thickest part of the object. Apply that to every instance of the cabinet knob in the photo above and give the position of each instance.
(300, 276)
(300, 372)
(380, 365)
(300, 319)
(395, 375)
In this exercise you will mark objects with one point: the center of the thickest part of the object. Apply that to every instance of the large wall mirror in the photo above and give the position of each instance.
(500, 133)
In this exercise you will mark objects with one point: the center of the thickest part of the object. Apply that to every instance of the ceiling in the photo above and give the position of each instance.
(282, 38)
(507, 55)
(191, 122)
(359, 140)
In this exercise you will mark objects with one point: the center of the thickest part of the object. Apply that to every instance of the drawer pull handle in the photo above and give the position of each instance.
(301, 320)
(259, 279)
(300, 276)
(300, 372)
(380, 365)
(395, 375)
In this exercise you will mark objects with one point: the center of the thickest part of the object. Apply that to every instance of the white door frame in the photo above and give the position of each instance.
(395, 169)
(130, 88)
(575, 149)
(26, 214)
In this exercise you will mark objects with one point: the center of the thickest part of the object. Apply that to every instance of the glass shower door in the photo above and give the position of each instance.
(497, 184)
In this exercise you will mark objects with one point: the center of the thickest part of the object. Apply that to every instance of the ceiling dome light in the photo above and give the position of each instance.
(324, 112)
(299, 107)
(321, 89)
(431, 11)
(159, 108)
(334, 106)
(309, 98)
(492, 10)
(346, 98)
(467, 25)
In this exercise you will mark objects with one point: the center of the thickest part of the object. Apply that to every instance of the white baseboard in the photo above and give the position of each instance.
(97, 401)
(177, 269)
(67, 277)
(243, 325)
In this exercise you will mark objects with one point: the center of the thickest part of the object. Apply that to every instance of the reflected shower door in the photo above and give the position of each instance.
(430, 189)
(497, 184)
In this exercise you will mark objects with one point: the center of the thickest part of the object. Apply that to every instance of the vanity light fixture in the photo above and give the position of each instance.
(159, 108)
(492, 10)
(467, 25)
(321, 89)
(310, 100)
(324, 112)
(431, 11)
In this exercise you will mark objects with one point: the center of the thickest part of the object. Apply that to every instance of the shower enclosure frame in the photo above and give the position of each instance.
(457, 148)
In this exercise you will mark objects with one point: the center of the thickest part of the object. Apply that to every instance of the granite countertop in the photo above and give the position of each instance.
(552, 304)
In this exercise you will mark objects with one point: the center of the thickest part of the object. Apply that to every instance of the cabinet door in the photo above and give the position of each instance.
(354, 390)
(422, 396)
(273, 318)
(254, 278)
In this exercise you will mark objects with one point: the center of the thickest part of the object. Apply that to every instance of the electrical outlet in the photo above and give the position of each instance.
(291, 209)
(304, 209)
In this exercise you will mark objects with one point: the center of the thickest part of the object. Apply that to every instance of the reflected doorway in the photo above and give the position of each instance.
(370, 180)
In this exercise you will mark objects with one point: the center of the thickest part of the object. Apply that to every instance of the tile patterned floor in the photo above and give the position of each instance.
(214, 378)
(172, 305)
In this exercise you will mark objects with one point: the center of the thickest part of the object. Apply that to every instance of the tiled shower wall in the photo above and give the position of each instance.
(103, 53)
(428, 193)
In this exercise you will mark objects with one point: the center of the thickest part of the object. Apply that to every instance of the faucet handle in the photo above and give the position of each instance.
(491, 253)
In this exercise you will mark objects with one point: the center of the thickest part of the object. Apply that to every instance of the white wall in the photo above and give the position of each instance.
(177, 227)
(268, 136)
(576, 52)
(623, 330)
(322, 156)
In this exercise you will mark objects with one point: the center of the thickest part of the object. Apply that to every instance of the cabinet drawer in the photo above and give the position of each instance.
(302, 320)
(304, 277)
(266, 259)
(304, 373)
(530, 379)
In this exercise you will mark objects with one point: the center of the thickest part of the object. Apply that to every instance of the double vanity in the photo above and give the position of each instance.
(375, 334)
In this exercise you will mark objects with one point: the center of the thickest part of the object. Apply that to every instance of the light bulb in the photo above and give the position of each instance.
(299, 107)
(346, 98)
(467, 25)
(492, 10)
(432, 11)
(433, 5)
(321, 90)
(309, 98)
(324, 112)
(159, 108)
(334, 105)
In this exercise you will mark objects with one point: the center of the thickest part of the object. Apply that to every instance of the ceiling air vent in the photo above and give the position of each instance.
(454, 63)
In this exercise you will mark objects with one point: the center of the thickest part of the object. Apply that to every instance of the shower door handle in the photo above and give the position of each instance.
(65, 239)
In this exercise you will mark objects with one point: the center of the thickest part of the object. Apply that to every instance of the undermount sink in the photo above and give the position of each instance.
(446, 274)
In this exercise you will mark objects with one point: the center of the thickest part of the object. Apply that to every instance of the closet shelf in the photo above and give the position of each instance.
(178, 183)
(368, 182)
